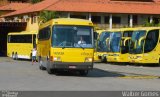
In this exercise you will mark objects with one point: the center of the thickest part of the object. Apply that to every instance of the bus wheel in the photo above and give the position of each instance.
(103, 59)
(83, 72)
(49, 70)
(41, 67)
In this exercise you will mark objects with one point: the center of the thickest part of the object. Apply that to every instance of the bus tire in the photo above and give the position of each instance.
(83, 72)
(49, 70)
(41, 67)
(103, 59)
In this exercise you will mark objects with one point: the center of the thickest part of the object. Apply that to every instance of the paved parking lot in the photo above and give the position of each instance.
(21, 75)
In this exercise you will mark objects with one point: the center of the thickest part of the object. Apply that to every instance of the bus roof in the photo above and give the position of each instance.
(23, 32)
(121, 29)
(67, 21)
(114, 30)
(100, 31)
(128, 29)
(147, 28)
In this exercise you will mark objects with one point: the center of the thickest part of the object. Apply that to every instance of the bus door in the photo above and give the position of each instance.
(34, 41)
(151, 46)
(126, 41)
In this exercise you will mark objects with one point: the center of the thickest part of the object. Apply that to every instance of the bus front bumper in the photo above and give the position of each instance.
(72, 65)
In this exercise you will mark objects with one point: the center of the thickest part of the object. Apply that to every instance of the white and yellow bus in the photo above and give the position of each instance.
(20, 44)
(145, 46)
(119, 44)
(59, 47)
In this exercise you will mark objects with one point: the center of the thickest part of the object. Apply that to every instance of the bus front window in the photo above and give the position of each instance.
(102, 46)
(135, 47)
(115, 39)
(72, 36)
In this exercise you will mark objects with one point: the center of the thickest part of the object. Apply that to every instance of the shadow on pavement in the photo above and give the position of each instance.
(102, 73)
(93, 73)
(135, 64)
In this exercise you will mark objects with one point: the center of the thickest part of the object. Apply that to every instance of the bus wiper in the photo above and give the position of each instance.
(63, 44)
(80, 46)
(63, 47)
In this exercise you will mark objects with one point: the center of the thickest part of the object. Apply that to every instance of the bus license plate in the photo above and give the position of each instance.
(72, 67)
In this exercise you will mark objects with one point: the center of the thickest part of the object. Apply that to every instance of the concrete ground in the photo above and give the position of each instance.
(21, 75)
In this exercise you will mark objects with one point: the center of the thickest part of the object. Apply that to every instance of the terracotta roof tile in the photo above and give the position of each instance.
(14, 6)
(34, 8)
(104, 6)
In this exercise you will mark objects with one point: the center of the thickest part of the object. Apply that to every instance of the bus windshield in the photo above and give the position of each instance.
(115, 39)
(72, 36)
(102, 47)
(135, 48)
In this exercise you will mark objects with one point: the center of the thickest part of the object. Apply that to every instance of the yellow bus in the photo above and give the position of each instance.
(102, 48)
(96, 58)
(119, 44)
(145, 45)
(66, 44)
(20, 44)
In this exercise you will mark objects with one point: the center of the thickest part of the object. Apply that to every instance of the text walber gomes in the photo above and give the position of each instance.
(140, 93)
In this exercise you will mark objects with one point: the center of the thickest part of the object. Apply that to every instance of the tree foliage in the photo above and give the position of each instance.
(47, 15)
(36, 1)
(152, 24)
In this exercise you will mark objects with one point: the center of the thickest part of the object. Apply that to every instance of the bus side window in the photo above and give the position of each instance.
(151, 40)
(44, 34)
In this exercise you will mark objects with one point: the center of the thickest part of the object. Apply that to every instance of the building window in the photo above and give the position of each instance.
(116, 20)
(156, 20)
(106, 19)
(96, 19)
(78, 16)
(135, 19)
(33, 19)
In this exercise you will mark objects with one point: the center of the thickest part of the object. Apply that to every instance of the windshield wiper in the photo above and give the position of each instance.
(80, 46)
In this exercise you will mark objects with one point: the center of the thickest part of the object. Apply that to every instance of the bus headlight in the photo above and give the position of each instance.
(115, 54)
(88, 59)
(56, 59)
(139, 57)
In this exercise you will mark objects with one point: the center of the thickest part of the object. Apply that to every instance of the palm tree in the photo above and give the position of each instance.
(36, 1)
(47, 15)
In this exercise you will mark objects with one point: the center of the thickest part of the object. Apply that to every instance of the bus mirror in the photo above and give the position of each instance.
(36, 41)
(125, 40)
(95, 35)
(107, 41)
(37, 36)
(140, 40)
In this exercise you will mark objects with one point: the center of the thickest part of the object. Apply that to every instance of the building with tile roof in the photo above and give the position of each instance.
(104, 13)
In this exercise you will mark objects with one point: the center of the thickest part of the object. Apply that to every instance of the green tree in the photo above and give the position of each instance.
(148, 24)
(36, 1)
(47, 15)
